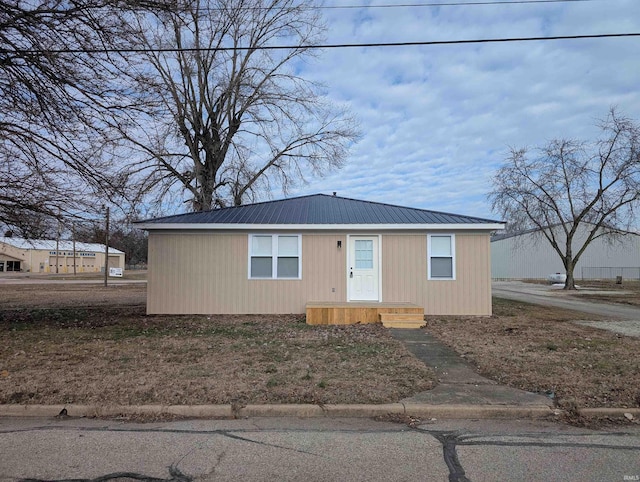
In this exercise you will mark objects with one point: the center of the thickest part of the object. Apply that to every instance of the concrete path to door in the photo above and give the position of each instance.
(458, 381)
(627, 317)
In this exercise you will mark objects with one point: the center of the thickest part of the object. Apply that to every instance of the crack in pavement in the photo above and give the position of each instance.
(174, 472)
(194, 431)
(244, 439)
(468, 440)
(449, 441)
(224, 433)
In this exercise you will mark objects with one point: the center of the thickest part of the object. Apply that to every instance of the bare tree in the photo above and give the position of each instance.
(122, 235)
(228, 117)
(55, 89)
(571, 184)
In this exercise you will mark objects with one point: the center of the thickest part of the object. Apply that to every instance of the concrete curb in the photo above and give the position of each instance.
(191, 411)
(424, 411)
(419, 410)
(609, 412)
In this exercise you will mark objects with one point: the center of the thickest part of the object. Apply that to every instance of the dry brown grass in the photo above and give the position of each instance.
(627, 293)
(539, 349)
(86, 344)
(98, 347)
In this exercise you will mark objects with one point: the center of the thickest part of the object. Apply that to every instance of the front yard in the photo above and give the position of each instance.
(90, 345)
(539, 349)
(98, 347)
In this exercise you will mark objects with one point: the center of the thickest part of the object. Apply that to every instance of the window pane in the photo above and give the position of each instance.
(287, 267)
(440, 245)
(261, 267)
(261, 246)
(364, 254)
(441, 267)
(287, 245)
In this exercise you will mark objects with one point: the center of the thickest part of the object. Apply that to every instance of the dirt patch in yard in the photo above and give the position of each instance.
(607, 291)
(540, 349)
(99, 347)
(23, 297)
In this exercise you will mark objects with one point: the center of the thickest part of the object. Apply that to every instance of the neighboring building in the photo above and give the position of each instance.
(529, 255)
(277, 256)
(41, 256)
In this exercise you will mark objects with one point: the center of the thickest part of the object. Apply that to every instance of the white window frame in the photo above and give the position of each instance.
(453, 257)
(274, 256)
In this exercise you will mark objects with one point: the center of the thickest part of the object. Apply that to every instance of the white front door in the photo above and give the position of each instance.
(363, 268)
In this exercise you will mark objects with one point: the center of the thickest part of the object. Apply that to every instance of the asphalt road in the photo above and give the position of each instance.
(273, 449)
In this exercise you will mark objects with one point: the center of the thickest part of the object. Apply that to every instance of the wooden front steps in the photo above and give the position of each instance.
(392, 315)
(402, 320)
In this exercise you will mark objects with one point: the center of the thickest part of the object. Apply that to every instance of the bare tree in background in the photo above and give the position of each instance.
(55, 90)
(569, 184)
(227, 117)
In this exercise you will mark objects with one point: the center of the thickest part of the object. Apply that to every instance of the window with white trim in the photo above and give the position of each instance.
(275, 256)
(441, 259)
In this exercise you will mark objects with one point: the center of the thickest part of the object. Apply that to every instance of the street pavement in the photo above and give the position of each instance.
(317, 449)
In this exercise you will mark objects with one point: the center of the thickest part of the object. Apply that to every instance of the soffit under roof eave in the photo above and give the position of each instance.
(320, 227)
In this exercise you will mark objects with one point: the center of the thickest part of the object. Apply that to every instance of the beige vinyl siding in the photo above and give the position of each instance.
(206, 273)
(202, 273)
(404, 275)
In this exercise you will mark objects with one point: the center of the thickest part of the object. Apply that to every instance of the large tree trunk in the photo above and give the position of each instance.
(570, 283)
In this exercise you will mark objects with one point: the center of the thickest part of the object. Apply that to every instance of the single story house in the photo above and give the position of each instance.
(280, 256)
(41, 256)
(529, 255)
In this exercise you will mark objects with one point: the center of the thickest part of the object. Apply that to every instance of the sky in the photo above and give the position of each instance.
(437, 121)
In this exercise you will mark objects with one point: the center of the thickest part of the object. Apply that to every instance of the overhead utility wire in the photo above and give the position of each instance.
(456, 4)
(411, 5)
(325, 46)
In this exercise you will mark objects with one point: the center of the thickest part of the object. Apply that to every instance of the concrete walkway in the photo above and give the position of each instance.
(458, 382)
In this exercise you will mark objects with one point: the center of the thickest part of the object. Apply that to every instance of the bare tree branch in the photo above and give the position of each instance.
(571, 184)
(53, 101)
(237, 122)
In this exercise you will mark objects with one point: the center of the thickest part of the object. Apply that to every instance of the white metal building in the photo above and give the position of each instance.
(41, 256)
(528, 255)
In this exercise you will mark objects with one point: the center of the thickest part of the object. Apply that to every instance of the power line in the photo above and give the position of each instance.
(417, 5)
(321, 46)
(453, 4)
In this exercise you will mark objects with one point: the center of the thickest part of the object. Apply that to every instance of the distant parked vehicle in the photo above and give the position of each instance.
(557, 278)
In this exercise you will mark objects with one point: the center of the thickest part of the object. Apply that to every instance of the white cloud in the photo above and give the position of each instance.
(438, 120)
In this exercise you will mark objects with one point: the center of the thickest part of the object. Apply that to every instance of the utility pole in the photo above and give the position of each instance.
(106, 250)
(73, 238)
(57, 245)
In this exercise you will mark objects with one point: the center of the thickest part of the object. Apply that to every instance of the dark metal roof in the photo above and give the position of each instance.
(319, 209)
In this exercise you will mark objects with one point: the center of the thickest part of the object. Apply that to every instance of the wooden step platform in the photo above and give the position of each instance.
(348, 313)
(402, 320)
